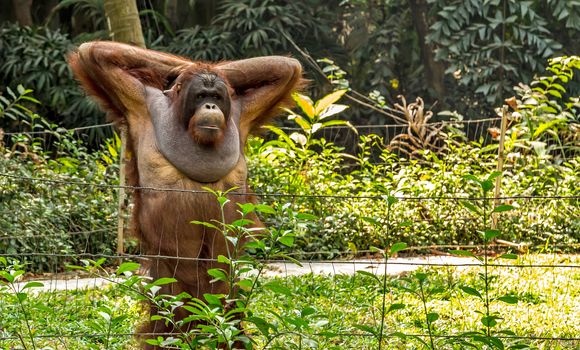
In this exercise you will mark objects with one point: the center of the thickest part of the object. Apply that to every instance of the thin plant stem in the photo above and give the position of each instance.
(26, 317)
(383, 309)
(485, 264)
(424, 301)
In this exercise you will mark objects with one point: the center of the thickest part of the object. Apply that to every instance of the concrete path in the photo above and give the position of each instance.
(395, 266)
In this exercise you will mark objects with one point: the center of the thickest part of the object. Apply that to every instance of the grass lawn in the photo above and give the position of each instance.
(336, 312)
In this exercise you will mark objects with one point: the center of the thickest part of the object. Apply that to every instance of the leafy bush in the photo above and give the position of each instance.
(250, 28)
(491, 45)
(348, 194)
(547, 119)
(36, 58)
(46, 214)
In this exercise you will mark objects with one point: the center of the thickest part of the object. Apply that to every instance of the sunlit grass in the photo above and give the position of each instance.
(340, 309)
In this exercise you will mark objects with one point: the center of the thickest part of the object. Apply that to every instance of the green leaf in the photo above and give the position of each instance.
(377, 250)
(266, 209)
(160, 282)
(493, 175)
(508, 256)
(391, 199)
(368, 274)
(213, 299)
(370, 220)
(32, 284)
(242, 222)
(509, 299)
(246, 208)
(222, 200)
(547, 126)
(421, 276)
(488, 235)
(554, 93)
(278, 288)
(487, 185)
(472, 178)
(396, 306)
(406, 223)
(502, 208)
(260, 323)
(335, 123)
(224, 260)
(245, 284)
(470, 206)
(303, 123)
(287, 240)
(203, 223)
(156, 318)
(489, 321)
(471, 291)
(305, 216)
(218, 274)
(127, 266)
(397, 247)
(327, 100)
(307, 311)
(21, 296)
(7, 276)
(432, 317)
(496, 342)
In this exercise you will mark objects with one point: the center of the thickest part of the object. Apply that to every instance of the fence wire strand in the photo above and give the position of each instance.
(291, 195)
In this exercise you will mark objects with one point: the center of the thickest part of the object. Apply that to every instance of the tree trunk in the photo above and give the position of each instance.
(124, 26)
(123, 22)
(434, 71)
(22, 12)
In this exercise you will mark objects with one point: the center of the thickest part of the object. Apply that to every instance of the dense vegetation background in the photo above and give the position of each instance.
(459, 55)
(463, 58)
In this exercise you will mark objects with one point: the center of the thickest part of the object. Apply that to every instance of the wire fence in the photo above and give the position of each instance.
(513, 277)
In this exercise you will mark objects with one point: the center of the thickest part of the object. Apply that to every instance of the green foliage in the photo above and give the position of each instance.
(491, 45)
(314, 311)
(42, 206)
(381, 43)
(248, 28)
(259, 27)
(12, 110)
(204, 44)
(547, 116)
(489, 335)
(36, 58)
(92, 11)
(348, 193)
(32, 315)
